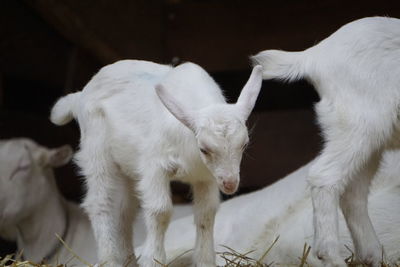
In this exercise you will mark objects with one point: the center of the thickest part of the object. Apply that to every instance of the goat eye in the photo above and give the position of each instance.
(20, 170)
(204, 151)
(24, 168)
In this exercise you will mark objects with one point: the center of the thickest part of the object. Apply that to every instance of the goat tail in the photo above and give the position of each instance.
(63, 110)
(282, 65)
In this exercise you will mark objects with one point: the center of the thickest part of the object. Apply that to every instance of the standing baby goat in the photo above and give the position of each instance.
(356, 72)
(143, 125)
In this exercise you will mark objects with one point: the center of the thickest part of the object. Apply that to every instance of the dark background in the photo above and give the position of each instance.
(49, 48)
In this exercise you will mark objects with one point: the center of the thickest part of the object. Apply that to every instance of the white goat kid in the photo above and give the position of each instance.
(32, 210)
(143, 125)
(356, 73)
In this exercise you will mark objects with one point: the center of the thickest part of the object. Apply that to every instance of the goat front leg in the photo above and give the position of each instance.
(154, 191)
(326, 236)
(206, 202)
(355, 210)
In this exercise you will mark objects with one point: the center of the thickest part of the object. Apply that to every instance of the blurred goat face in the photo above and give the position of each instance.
(25, 170)
(17, 169)
(220, 130)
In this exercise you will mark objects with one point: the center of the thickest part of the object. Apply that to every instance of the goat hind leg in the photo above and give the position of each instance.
(343, 155)
(109, 207)
(354, 206)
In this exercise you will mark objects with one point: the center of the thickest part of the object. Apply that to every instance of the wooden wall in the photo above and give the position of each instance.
(46, 40)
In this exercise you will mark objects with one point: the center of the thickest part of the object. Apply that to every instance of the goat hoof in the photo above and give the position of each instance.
(330, 260)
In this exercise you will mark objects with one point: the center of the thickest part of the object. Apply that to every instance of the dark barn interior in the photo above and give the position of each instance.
(49, 48)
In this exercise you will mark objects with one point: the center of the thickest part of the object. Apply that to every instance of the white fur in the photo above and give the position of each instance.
(284, 209)
(356, 72)
(143, 125)
(32, 210)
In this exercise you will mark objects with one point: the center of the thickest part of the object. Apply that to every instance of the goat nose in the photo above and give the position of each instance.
(230, 185)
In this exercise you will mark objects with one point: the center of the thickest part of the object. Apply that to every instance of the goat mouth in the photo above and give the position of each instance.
(228, 190)
(3, 223)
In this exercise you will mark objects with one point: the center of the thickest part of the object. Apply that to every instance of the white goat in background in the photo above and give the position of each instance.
(32, 210)
(31, 203)
(143, 125)
(356, 72)
(253, 221)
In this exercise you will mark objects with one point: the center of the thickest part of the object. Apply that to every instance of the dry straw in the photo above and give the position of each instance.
(231, 257)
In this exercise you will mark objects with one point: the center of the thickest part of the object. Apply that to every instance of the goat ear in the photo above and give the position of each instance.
(59, 156)
(249, 94)
(180, 112)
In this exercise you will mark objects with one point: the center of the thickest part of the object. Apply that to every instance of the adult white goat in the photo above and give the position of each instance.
(253, 221)
(31, 208)
(143, 125)
(356, 72)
